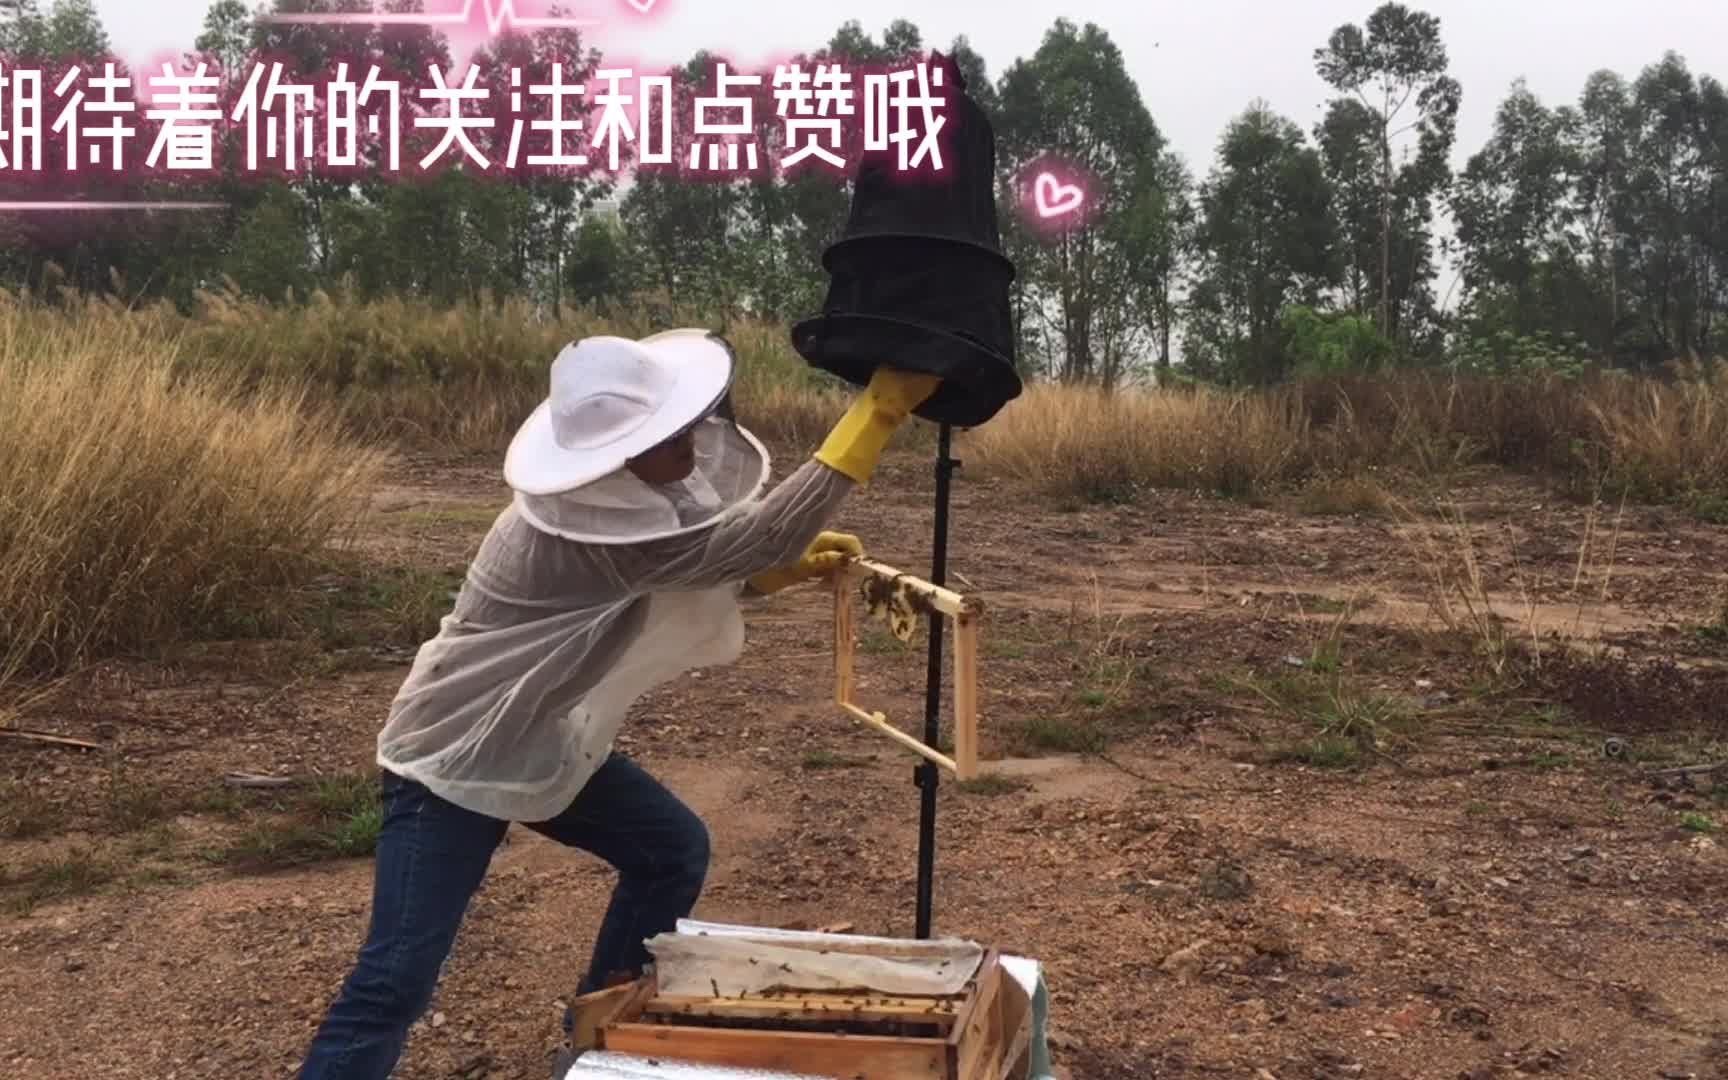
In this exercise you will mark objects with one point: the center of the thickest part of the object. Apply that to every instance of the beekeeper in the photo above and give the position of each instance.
(637, 521)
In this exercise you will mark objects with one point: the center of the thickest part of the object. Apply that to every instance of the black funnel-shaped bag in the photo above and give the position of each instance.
(919, 281)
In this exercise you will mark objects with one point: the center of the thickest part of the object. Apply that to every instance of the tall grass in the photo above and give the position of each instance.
(464, 377)
(1078, 440)
(141, 500)
(1615, 436)
(460, 378)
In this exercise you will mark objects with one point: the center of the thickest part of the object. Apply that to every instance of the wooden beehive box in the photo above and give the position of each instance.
(982, 1033)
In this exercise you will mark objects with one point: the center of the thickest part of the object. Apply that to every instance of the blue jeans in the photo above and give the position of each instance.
(432, 856)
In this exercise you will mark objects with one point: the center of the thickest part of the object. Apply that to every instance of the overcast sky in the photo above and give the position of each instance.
(1197, 62)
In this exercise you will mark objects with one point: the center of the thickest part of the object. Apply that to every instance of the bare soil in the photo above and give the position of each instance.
(1482, 886)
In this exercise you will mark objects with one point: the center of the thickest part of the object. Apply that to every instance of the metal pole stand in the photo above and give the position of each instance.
(927, 775)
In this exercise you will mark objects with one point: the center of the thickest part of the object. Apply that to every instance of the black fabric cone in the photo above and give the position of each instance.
(918, 280)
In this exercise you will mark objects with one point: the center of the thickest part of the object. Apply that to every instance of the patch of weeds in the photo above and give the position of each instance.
(1061, 736)
(1344, 495)
(338, 817)
(1551, 715)
(1715, 633)
(77, 873)
(1711, 509)
(1369, 720)
(156, 875)
(1698, 823)
(1108, 680)
(26, 812)
(133, 806)
(375, 605)
(992, 784)
(1322, 752)
(1347, 726)
(274, 842)
(221, 800)
(1006, 650)
(1616, 811)
(344, 795)
(1302, 696)
(1221, 683)
(356, 835)
(156, 840)
(1477, 809)
(1327, 658)
(1549, 759)
(828, 759)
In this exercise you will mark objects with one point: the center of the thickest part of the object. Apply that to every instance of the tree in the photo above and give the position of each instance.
(687, 224)
(1667, 185)
(1511, 204)
(23, 30)
(1600, 131)
(1267, 239)
(75, 29)
(1160, 223)
(226, 38)
(1397, 62)
(1352, 163)
(595, 270)
(1073, 99)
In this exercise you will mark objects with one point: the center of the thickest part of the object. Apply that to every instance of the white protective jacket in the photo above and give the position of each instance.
(578, 604)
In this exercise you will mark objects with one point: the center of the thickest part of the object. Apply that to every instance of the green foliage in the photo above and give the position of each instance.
(1698, 823)
(1266, 237)
(1502, 352)
(1332, 343)
(1082, 294)
(1394, 66)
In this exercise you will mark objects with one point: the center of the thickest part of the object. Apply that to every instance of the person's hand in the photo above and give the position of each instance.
(827, 553)
(898, 392)
(857, 441)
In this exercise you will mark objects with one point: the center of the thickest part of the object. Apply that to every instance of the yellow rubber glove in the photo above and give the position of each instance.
(857, 441)
(826, 554)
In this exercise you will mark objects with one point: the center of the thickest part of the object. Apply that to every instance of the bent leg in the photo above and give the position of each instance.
(658, 846)
(431, 859)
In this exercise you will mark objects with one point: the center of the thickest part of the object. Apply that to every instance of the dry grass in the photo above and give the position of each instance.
(141, 501)
(464, 377)
(1499, 619)
(1106, 447)
(1646, 439)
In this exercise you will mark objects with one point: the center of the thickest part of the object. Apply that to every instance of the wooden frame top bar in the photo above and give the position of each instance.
(943, 601)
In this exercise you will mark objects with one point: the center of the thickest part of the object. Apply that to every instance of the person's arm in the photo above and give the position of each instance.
(774, 531)
(759, 536)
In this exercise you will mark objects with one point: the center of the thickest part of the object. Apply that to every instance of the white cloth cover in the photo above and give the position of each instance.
(513, 705)
(700, 956)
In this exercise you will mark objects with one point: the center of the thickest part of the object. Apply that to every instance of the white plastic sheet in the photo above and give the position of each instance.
(605, 1065)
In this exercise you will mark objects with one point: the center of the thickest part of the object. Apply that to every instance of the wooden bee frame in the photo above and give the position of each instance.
(983, 1033)
(907, 597)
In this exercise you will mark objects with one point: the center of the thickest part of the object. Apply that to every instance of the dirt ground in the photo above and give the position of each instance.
(1262, 812)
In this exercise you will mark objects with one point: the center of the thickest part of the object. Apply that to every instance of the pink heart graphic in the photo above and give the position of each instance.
(644, 6)
(1054, 197)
